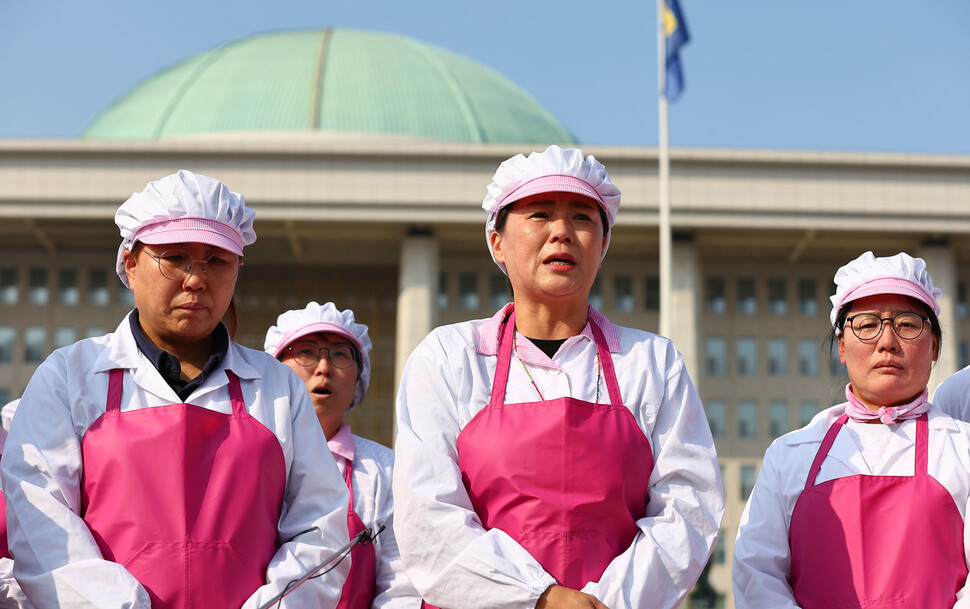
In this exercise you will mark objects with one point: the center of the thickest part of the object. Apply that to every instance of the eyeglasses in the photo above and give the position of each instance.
(177, 264)
(868, 326)
(309, 355)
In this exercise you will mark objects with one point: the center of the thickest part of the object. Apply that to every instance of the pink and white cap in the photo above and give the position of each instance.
(554, 170)
(867, 276)
(294, 325)
(184, 207)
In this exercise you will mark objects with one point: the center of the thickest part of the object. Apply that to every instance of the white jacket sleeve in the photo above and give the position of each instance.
(450, 558)
(685, 506)
(313, 520)
(56, 560)
(393, 588)
(762, 555)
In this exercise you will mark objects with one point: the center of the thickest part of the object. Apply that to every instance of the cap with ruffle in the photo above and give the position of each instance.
(868, 275)
(553, 170)
(184, 207)
(295, 324)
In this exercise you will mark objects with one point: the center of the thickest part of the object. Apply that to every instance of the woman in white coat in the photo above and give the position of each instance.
(546, 457)
(866, 505)
(330, 352)
(163, 465)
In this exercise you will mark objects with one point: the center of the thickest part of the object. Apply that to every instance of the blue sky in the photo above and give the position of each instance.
(882, 76)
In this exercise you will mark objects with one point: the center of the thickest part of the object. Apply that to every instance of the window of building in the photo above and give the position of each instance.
(747, 419)
(961, 299)
(596, 295)
(717, 417)
(98, 287)
(747, 303)
(777, 296)
(964, 354)
(498, 292)
(35, 338)
(806, 410)
(64, 336)
(807, 297)
(623, 294)
(716, 356)
(777, 418)
(836, 367)
(468, 291)
(127, 298)
(777, 357)
(719, 556)
(748, 476)
(807, 357)
(4, 396)
(94, 332)
(9, 290)
(747, 354)
(37, 291)
(442, 291)
(715, 296)
(651, 293)
(68, 292)
(7, 337)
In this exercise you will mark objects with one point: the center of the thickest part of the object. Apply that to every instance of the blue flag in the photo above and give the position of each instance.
(676, 36)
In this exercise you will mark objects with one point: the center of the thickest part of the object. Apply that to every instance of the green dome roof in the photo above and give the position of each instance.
(330, 80)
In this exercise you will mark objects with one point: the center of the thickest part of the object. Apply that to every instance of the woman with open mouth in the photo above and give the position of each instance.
(546, 457)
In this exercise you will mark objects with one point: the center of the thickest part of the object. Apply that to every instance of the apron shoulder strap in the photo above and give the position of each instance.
(823, 450)
(606, 360)
(235, 394)
(115, 383)
(501, 378)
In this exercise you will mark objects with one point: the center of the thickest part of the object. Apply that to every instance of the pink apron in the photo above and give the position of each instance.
(187, 499)
(876, 541)
(4, 549)
(358, 590)
(565, 478)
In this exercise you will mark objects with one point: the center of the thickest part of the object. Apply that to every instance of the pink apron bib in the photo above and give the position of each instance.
(565, 478)
(876, 541)
(358, 590)
(187, 499)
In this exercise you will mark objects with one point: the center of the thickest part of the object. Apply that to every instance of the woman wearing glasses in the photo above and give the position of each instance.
(547, 457)
(163, 465)
(866, 505)
(330, 352)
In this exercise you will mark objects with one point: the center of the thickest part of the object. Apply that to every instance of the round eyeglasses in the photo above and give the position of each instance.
(308, 355)
(177, 264)
(868, 326)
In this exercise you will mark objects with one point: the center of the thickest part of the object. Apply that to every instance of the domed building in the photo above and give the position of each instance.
(366, 157)
(334, 81)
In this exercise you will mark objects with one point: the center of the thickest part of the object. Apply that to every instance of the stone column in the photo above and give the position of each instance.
(417, 294)
(941, 264)
(685, 295)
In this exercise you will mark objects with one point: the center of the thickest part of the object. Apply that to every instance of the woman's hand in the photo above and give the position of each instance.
(561, 597)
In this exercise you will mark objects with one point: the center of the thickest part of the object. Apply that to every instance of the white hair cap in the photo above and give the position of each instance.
(867, 276)
(554, 170)
(184, 207)
(298, 323)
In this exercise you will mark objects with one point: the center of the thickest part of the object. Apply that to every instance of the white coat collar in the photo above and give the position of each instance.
(488, 344)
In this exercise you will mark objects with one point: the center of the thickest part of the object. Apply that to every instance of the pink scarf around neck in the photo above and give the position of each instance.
(861, 413)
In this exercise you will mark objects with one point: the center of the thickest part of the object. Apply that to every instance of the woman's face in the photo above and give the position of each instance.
(552, 246)
(888, 371)
(331, 388)
(177, 313)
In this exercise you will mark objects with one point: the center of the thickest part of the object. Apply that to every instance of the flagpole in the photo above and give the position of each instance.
(664, 178)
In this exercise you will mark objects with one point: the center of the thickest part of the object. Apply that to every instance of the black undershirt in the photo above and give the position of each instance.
(549, 347)
(168, 365)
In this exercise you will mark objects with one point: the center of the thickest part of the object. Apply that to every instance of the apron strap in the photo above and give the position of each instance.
(115, 383)
(235, 394)
(922, 446)
(823, 450)
(606, 361)
(501, 378)
(348, 473)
